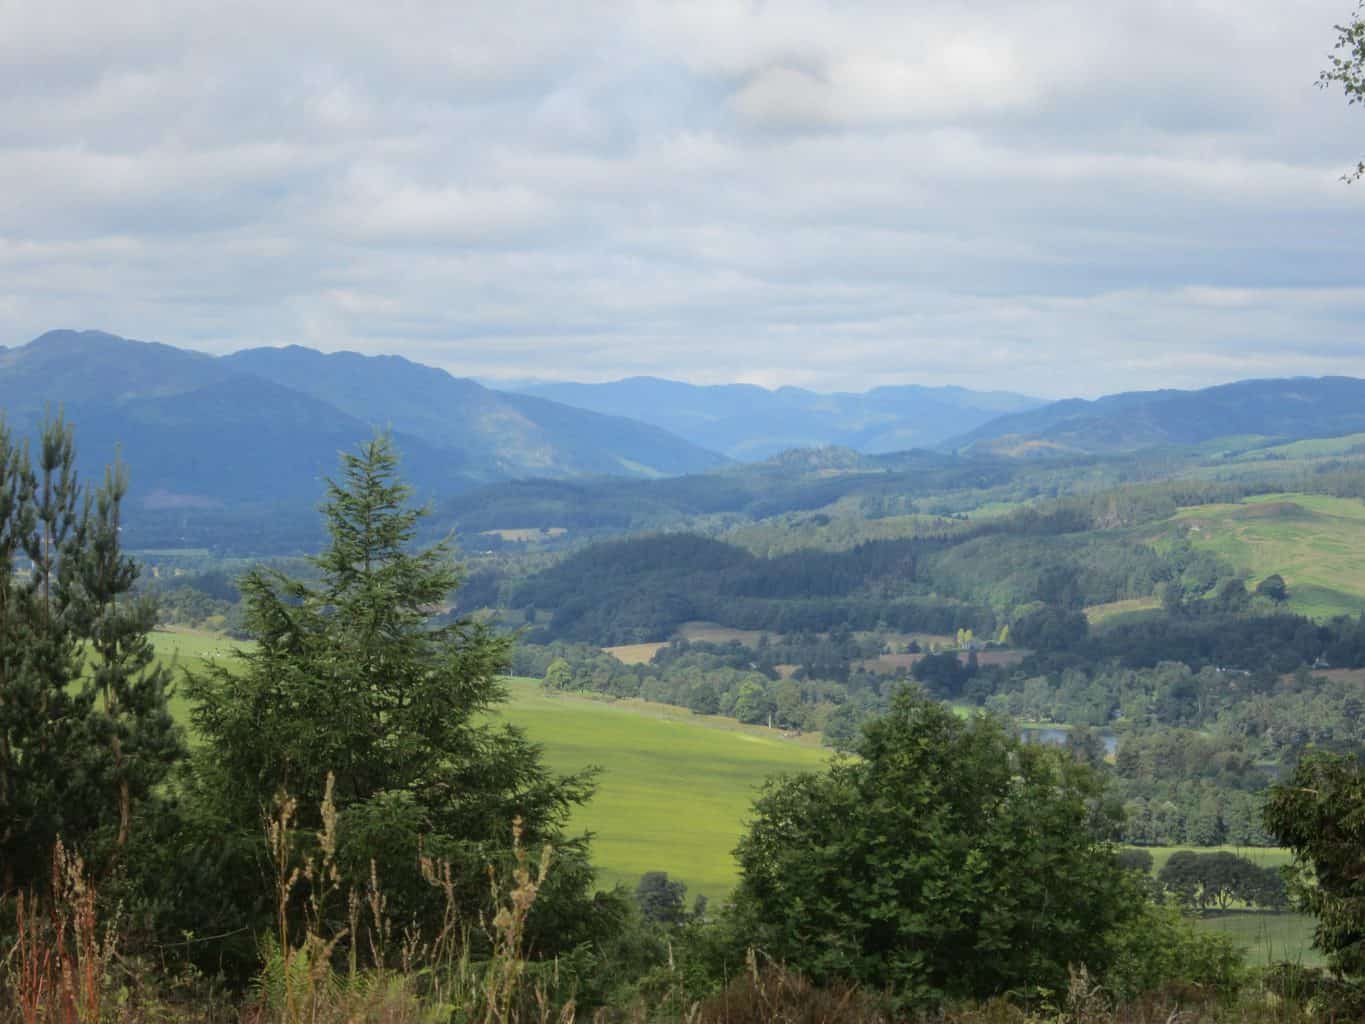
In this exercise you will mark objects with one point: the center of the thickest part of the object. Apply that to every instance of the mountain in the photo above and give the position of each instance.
(219, 445)
(511, 435)
(1284, 409)
(195, 432)
(749, 422)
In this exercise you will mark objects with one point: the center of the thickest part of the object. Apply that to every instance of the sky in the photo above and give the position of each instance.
(1054, 197)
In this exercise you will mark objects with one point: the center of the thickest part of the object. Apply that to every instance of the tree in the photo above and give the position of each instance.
(1273, 587)
(661, 899)
(559, 675)
(1319, 813)
(948, 859)
(85, 736)
(350, 676)
(1346, 68)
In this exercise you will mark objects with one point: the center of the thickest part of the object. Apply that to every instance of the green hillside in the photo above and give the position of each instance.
(1317, 543)
(675, 787)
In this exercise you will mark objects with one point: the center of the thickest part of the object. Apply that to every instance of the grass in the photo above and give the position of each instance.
(714, 633)
(675, 787)
(1317, 543)
(634, 654)
(1098, 613)
(1268, 936)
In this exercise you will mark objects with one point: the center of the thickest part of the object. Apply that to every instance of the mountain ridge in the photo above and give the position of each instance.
(1286, 408)
(745, 421)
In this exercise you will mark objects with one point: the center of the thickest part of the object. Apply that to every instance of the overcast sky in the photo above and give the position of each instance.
(1053, 197)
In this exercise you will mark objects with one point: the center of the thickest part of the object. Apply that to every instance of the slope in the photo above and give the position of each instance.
(749, 422)
(1284, 409)
(511, 435)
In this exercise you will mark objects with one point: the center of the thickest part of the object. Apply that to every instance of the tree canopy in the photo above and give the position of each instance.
(947, 859)
(350, 676)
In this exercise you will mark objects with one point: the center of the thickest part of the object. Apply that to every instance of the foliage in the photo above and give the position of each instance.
(1346, 68)
(85, 737)
(1319, 813)
(948, 859)
(1156, 948)
(349, 678)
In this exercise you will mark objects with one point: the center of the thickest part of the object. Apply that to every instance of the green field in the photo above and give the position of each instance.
(675, 787)
(1268, 937)
(1316, 543)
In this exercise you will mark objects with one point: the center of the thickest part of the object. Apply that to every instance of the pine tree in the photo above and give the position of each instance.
(72, 764)
(351, 675)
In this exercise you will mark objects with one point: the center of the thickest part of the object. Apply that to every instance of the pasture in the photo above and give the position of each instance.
(1317, 543)
(674, 788)
(1267, 937)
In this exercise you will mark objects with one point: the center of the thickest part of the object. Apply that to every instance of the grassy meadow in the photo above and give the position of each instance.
(1317, 543)
(675, 787)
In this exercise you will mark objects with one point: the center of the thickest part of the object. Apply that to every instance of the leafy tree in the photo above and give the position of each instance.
(559, 675)
(948, 859)
(350, 676)
(1319, 813)
(660, 898)
(1134, 859)
(1273, 587)
(1346, 68)
(83, 745)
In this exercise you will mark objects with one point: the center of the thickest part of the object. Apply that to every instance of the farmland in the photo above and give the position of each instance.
(674, 787)
(1316, 542)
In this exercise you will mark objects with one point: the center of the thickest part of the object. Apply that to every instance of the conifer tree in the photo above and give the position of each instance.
(352, 675)
(76, 748)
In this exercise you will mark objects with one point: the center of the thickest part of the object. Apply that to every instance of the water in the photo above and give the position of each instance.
(1057, 737)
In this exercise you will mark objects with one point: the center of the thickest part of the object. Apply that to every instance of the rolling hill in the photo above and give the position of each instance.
(749, 422)
(512, 435)
(1283, 410)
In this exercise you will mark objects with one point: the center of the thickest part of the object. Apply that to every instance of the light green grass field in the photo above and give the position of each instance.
(1316, 543)
(675, 787)
(1098, 613)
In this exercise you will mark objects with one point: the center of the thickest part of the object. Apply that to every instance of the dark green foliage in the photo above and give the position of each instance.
(1204, 880)
(85, 737)
(949, 859)
(1319, 813)
(348, 676)
(1136, 860)
(661, 899)
(1273, 587)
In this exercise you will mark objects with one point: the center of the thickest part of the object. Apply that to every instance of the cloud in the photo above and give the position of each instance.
(1062, 197)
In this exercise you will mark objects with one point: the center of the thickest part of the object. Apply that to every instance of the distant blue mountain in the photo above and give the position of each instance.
(748, 422)
(263, 427)
(1286, 409)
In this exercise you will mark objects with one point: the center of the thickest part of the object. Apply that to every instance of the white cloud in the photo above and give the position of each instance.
(1060, 196)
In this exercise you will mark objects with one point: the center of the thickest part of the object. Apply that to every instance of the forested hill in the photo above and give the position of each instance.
(1286, 409)
(199, 434)
(514, 435)
(749, 422)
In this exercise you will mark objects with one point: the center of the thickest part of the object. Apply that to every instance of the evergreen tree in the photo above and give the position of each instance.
(349, 675)
(79, 750)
